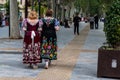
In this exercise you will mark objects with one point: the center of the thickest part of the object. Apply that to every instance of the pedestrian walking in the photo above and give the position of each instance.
(49, 38)
(96, 21)
(7, 20)
(3, 21)
(61, 23)
(76, 21)
(20, 22)
(91, 19)
(1, 17)
(31, 42)
(66, 23)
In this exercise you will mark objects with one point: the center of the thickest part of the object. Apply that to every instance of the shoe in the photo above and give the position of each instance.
(29, 65)
(46, 65)
(49, 62)
(34, 66)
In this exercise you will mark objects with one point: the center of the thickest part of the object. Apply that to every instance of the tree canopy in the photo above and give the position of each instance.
(93, 6)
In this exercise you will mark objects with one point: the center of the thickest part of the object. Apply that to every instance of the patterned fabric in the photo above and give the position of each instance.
(49, 39)
(31, 47)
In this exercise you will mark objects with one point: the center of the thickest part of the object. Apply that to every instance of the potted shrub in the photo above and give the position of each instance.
(109, 53)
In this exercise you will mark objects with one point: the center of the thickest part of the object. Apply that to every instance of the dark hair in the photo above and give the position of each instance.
(49, 12)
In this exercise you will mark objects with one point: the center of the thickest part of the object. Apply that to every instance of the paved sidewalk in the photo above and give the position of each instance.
(14, 46)
(77, 60)
(62, 68)
(65, 35)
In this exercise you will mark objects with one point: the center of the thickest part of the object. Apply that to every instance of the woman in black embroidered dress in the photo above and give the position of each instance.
(49, 38)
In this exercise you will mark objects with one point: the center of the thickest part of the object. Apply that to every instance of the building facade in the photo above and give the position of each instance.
(2, 1)
(2, 9)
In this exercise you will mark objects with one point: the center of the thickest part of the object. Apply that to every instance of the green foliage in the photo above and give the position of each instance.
(1, 6)
(88, 6)
(43, 7)
(81, 4)
(66, 2)
(6, 5)
(104, 4)
(112, 25)
(93, 6)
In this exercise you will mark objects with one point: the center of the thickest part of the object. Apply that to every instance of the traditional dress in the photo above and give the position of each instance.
(49, 39)
(31, 47)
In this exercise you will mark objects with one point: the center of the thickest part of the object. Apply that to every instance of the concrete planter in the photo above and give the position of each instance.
(108, 63)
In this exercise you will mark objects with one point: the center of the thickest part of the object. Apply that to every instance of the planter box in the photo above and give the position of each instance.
(108, 63)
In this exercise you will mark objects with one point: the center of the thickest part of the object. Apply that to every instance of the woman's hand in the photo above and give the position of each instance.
(24, 29)
(57, 28)
(39, 29)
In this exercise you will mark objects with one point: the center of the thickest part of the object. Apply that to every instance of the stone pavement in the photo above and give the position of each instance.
(77, 60)
(11, 45)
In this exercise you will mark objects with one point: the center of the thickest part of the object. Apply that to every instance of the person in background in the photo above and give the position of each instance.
(91, 19)
(96, 21)
(20, 22)
(1, 17)
(66, 23)
(7, 20)
(49, 38)
(3, 21)
(76, 21)
(61, 22)
(31, 42)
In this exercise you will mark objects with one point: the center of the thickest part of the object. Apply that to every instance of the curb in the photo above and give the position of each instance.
(11, 50)
(6, 52)
(16, 51)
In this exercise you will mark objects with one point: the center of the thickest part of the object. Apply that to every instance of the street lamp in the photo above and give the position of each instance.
(39, 8)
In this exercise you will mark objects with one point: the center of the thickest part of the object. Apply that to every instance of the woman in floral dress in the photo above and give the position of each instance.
(49, 38)
(31, 42)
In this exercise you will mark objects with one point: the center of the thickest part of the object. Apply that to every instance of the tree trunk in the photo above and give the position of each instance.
(14, 27)
(62, 15)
